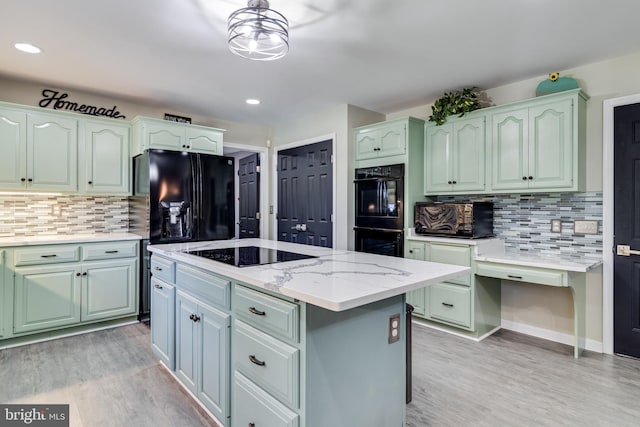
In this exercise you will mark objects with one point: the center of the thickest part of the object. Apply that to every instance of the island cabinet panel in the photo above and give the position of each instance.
(163, 297)
(47, 297)
(255, 407)
(104, 158)
(203, 352)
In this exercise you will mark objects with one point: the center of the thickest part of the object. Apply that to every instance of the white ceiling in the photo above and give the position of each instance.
(383, 55)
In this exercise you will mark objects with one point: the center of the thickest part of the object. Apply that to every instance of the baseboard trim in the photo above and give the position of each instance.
(547, 334)
(415, 321)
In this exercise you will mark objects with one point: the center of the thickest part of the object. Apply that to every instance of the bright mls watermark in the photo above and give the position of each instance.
(34, 415)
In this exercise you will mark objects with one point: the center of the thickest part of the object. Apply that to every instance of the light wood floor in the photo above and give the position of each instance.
(110, 378)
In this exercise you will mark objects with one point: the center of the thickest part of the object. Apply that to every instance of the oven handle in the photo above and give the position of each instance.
(390, 230)
(386, 178)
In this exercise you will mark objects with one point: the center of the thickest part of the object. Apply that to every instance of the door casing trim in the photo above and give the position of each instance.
(274, 180)
(608, 106)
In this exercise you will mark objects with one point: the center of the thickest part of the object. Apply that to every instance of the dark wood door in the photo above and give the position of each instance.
(249, 194)
(305, 195)
(626, 266)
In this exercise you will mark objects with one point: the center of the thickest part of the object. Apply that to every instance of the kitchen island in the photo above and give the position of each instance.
(309, 342)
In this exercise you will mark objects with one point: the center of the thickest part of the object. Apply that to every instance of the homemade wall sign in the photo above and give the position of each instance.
(58, 101)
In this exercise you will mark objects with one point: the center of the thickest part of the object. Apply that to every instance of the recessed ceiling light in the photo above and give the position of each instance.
(253, 101)
(27, 47)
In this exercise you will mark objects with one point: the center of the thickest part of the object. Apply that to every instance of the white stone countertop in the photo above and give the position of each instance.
(555, 262)
(67, 238)
(336, 280)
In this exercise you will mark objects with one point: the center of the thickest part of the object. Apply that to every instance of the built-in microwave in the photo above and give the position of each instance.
(471, 220)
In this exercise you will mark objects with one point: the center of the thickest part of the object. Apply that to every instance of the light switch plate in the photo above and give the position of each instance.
(556, 225)
(585, 227)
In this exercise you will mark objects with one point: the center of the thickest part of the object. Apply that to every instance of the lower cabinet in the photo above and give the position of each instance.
(163, 300)
(47, 297)
(468, 304)
(58, 286)
(255, 407)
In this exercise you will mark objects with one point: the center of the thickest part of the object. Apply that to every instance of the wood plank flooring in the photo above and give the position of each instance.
(511, 379)
(110, 378)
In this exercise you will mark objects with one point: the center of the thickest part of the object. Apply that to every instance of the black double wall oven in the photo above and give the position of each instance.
(379, 220)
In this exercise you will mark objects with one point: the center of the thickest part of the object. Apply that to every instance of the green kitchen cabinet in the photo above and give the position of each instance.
(203, 353)
(381, 140)
(105, 159)
(163, 300)
(47, 297)
(109, 289)
(454, 156)
(162, 134)
(417, 298)
(38, 151)
(538, 145)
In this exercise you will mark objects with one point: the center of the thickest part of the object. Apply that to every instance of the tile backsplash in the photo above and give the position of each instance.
(36, 215)
(524, 222)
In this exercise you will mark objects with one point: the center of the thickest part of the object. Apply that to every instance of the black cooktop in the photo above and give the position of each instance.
(246, 256)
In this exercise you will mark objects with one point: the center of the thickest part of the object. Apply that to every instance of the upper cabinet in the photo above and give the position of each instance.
(38, 151)
(104, 158)
(538, 146)
(455, 157)
(533, 146)
(162, 134)
(381, 140)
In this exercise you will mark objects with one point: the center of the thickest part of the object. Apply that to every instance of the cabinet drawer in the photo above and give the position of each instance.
(109, 250)
(46, 255)
(518, 273)
(209, 288)
(253, 406)
(163, 269)
(450, 303)
(456, 255)
(267, 361)
(267, 313)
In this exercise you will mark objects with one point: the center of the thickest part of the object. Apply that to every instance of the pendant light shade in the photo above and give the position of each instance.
(257, 32)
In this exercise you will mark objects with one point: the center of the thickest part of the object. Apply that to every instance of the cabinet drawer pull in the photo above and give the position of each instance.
(514, 277)
(446, 304)
(257, 312)
(158, 287)
(157, 268)
(110, 252)
(48, 256)
(255, 361)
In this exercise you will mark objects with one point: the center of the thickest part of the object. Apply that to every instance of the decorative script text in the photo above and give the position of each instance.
(58, 101)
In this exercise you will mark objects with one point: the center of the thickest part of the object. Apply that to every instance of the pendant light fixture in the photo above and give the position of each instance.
(257, 32)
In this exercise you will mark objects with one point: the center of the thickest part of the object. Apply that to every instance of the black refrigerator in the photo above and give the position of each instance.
(180, 197)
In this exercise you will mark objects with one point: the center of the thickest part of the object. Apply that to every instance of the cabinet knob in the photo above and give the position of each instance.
(255, 361)
(194, 317)
(449, 182)
(530, 177)
(78, 274)
(410, 251)
(453, 182)
(30, 179)
(90, 182)
(184, 146)
(252, 424)
(84, 274)
(524, 178)
(23, 179)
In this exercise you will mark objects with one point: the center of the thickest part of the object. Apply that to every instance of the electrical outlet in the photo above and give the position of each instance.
(394, 328)
(556, 225)
(585, 227)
